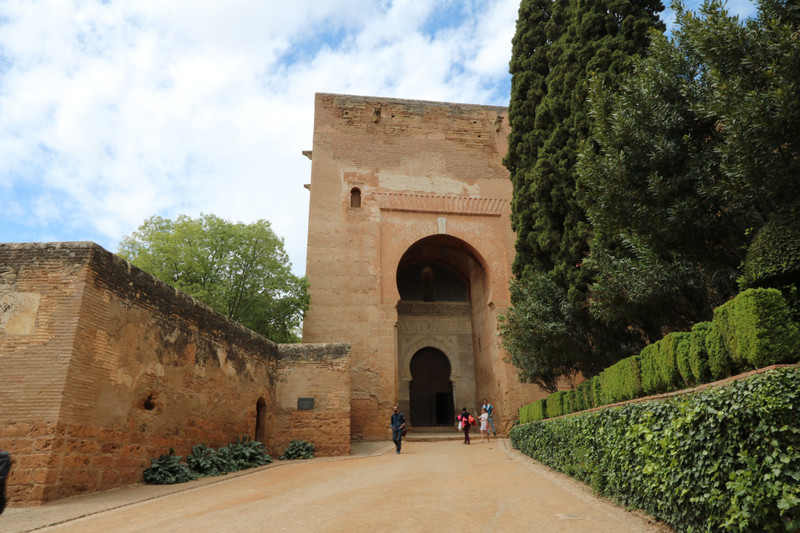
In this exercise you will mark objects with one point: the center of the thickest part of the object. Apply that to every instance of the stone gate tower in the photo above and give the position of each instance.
(409, 256)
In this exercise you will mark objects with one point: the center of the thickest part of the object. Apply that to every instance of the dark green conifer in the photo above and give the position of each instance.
(559, 47)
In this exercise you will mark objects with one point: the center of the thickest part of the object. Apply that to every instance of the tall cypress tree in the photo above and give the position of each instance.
(559, 46)
(530, 69)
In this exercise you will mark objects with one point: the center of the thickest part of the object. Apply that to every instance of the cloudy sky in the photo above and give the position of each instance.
(115, 110)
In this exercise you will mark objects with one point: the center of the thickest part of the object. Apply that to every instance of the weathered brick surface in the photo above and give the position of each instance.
(105, 368)
(432, 185)
(321, 372)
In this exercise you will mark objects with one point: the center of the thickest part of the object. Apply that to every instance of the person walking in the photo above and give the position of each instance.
(466, 421)
(484, 418)
(398, 423)
(489, 410)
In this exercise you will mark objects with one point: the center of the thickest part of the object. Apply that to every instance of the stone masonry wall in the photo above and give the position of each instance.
(321, 372)
(421, 170)
(104, 367)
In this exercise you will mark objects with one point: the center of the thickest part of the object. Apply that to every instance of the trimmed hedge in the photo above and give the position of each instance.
(751, 331)
(651, 377)
(756, 331)
(698, 353)
(773, 258)
(532, 412)
(553, 404)
(724, 459)
(621, 381)
(682, 349)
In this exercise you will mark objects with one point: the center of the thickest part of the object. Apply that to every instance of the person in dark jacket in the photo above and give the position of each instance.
(5, 468)
(398, 422)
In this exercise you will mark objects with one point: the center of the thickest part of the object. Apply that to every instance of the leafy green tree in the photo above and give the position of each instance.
(692, 152)
(541, 333)
(239, 270)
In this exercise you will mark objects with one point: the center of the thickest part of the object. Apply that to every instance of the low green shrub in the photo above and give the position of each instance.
(532, 412)
(723, 459)
(584, 400)
(622, 381)
(168, 469)
(298, 449)
(246, 453)
(569, 402)
(205, 461)
(720, 363)
(578, 402)
(698, 354)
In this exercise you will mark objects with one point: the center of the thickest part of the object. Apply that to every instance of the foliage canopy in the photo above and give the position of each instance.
(641, 201)
(239, 270)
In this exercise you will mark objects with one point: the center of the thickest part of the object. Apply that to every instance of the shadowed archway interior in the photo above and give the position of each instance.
(430, 389)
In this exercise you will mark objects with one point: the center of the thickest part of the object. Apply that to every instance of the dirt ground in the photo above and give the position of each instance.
(433, 485)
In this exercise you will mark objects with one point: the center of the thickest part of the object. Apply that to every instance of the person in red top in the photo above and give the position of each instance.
(464, 418)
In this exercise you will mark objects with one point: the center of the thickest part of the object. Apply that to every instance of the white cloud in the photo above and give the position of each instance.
(115, 111)
(118, 110)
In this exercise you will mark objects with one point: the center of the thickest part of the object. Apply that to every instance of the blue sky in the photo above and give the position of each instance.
(113, 111)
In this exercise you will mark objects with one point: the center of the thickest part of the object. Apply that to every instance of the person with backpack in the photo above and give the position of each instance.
(489, 410)
(466, 420)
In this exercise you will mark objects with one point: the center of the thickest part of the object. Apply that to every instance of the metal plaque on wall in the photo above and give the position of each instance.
(305, 404)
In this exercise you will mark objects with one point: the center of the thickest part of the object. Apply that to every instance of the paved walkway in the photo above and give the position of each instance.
(434, 485)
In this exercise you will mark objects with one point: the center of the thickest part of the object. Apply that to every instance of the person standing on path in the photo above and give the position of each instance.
(398, 422)
(490, 411)
(464, 418)
(484, 418)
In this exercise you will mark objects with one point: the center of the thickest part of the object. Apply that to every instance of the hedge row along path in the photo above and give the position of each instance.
(438, 485)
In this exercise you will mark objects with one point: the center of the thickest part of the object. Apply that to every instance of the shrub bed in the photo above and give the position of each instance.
(205, 462)
(724, 459)
(298, 449)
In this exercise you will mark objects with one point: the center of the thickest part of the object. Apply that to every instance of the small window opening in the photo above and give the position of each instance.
(149, 404)
(355, 197)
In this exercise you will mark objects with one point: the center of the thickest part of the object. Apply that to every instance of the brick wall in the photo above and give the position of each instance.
(321, 372)
(427, 172)
(104, 367)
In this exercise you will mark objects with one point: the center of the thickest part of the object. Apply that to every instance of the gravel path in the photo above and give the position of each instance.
(432, 486)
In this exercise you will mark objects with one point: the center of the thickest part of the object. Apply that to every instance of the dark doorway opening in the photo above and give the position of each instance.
(430, 390)
(261, 421)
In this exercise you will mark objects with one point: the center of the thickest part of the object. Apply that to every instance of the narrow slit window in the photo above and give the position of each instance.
(355, 197)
